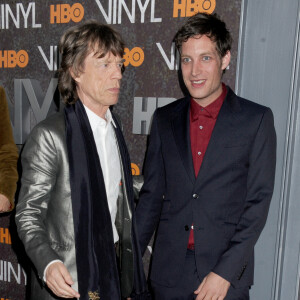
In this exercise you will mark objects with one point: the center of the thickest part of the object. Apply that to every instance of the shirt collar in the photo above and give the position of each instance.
(212, 110)
(95, 120)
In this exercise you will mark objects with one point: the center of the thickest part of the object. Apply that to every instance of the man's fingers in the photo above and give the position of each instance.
(67, 282)
(198, 290)
(65, 290)
(203, 295)
(59, 281)
(66, 275)
(61, 289)
(213, 287)
(4, 203)
(207, 296)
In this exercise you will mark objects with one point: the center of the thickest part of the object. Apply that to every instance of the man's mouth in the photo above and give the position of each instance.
(198, 81)
(114, 90)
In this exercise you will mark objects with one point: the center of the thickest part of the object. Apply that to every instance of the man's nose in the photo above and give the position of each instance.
(196, 69)
(117, 72)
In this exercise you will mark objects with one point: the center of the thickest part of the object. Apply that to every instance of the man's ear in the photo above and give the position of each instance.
(226, 60)
(75, 76)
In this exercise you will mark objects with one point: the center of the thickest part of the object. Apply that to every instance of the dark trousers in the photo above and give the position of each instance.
(189, 282)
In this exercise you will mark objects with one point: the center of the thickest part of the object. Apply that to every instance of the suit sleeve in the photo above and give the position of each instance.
(151, 196)
(39, 166)
(8, 153)
(260, 183)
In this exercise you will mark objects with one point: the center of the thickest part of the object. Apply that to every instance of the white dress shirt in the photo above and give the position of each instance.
(107, 148)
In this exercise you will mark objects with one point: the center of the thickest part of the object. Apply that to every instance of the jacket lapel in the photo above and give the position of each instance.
(223, 133)
(181, 131)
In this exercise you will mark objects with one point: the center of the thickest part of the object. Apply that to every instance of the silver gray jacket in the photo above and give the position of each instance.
(44, 210)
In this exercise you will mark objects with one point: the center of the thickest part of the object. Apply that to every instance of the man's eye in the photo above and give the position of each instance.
(102, 65)
(120, 65)
(185, 60)
(206, 58)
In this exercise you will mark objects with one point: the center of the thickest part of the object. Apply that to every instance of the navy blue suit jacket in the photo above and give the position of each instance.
(228, 202)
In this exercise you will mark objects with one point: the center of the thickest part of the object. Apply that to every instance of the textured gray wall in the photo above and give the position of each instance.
(269, 74)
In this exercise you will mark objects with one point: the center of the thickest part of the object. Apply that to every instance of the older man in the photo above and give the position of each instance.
(74, 214)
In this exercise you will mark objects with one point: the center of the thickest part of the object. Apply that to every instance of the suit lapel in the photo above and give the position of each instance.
(181, 131)
(223, 133)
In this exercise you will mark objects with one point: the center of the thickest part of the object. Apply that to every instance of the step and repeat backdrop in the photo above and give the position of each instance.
(29, 59)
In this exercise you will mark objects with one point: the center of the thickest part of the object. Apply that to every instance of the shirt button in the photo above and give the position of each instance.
(195, 196)
(201, 127)
(199, 153)
(186, 228)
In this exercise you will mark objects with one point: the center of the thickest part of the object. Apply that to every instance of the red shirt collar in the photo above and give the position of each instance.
(212, 110)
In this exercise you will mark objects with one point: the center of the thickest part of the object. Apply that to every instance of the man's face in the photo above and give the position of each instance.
(202, 69)
(98, 86)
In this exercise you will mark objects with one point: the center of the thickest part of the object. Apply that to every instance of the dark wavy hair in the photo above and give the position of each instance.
(205, 24)
(76, 44)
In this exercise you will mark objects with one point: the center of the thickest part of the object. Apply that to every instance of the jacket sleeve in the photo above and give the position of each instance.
(151, 196)
(39, 169)
(260, 183)
(8, 153)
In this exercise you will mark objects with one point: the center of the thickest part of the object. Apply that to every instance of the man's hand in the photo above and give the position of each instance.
(4, 204)
(59, 281)
(213, 287)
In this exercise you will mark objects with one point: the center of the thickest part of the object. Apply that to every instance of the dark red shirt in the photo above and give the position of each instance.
(202, 122)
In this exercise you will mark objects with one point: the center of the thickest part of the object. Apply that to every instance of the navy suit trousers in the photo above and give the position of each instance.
(189, 282)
